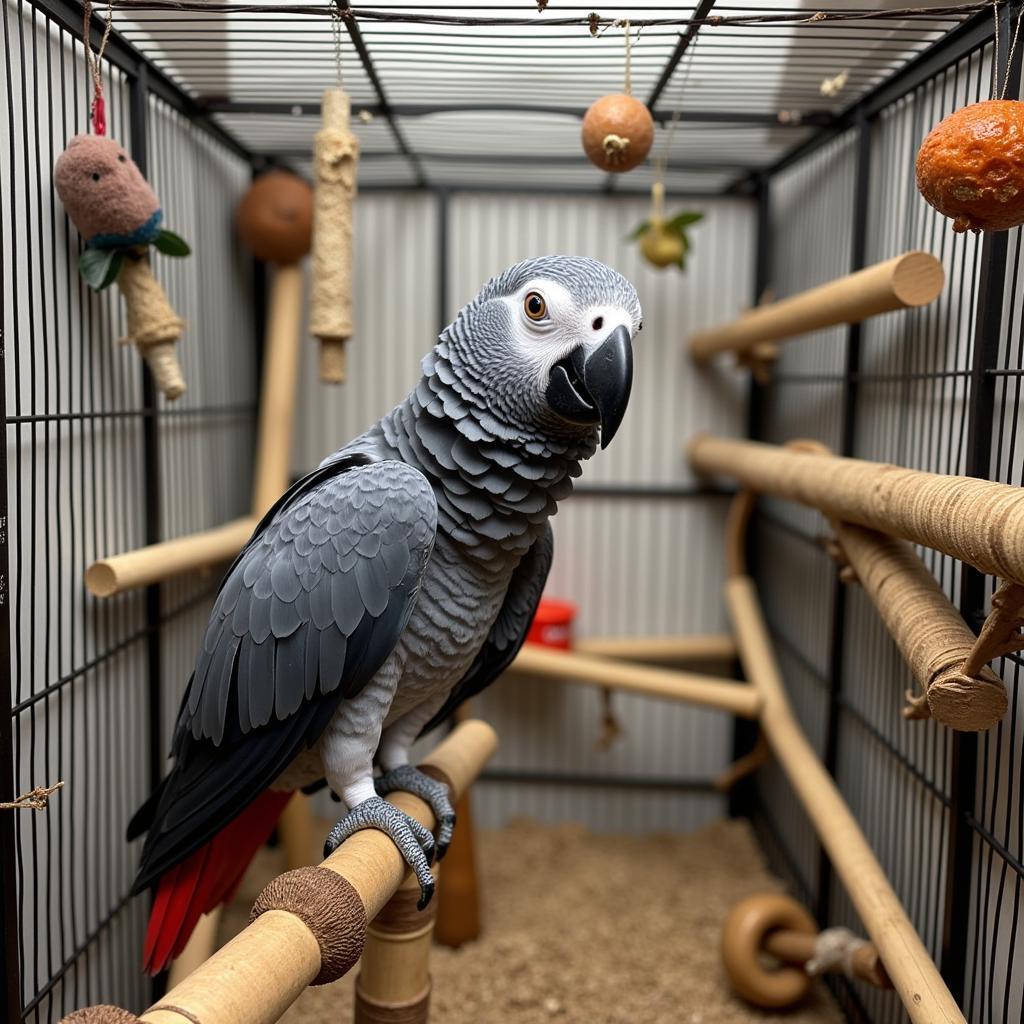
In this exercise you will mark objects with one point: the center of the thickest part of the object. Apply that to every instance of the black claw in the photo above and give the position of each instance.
(426, 895)
(441, 851)
(430, 852)
(328, 850)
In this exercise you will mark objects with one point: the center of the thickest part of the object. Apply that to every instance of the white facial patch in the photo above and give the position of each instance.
(563, 327)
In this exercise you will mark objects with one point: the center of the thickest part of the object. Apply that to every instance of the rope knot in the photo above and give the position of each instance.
(834, 947)
(615, 147)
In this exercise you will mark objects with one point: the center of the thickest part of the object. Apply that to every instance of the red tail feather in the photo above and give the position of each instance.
(207, 878)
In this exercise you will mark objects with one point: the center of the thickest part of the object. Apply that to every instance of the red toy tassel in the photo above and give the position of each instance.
(99, 115)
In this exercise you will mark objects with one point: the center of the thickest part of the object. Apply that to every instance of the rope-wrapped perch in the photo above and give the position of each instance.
(976, 521)
(930, 633)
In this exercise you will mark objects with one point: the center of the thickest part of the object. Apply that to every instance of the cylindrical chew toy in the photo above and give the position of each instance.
(116, 212)
(335, 159)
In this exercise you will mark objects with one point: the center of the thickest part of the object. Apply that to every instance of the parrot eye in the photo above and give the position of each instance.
(535, 306)
(95, 176)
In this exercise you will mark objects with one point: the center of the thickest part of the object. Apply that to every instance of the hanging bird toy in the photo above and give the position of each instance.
(618, 129)
(119, 218)
(970, 167)
(665, 243)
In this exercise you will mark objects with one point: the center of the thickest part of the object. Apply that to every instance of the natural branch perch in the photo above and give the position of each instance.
(977, 521)
(264, 969)
(930, 633)
(913, 279)
(738, 698)
(1001, 633)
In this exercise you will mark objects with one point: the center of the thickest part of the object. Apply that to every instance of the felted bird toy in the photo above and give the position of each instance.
(386, 587)
(119, 217)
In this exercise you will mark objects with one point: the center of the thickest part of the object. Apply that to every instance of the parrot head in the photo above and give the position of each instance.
(550, 339)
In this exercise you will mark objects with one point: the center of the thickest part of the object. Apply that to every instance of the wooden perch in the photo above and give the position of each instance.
(977, 521)
(156, 562)
(913, 279)
(668, 650)
(708, 691)
(264, 969)
(929, 631)
(907, 962)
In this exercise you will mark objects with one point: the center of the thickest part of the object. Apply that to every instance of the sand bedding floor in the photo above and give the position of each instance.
(584, 929)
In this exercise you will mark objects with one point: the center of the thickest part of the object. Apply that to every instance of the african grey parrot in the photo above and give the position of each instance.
(386, 587)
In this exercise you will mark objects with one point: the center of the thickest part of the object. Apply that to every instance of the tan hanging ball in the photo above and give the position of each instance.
(618, 132)
(335, 160)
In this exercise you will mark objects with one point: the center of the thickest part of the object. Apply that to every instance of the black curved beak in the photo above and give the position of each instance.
(594, 387)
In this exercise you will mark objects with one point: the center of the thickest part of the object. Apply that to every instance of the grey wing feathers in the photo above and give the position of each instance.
(301, 611)
(509, 631)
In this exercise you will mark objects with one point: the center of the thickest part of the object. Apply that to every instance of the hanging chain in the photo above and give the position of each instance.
(336, 26)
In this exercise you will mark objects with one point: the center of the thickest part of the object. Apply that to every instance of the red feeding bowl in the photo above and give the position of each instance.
(552, 624)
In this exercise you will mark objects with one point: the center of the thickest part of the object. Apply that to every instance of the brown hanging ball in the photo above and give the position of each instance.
(971, 166)
(618, 132)
(275, 218)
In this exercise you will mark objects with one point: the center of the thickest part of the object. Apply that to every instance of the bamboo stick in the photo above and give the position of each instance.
(912, 279)
(708, 691)
(156, 562)
(264, 969)
(931, 635)
(914, 975)
(976, 521)
(662, 649)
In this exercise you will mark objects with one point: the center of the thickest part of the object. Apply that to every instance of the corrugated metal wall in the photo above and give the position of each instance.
(647, 561)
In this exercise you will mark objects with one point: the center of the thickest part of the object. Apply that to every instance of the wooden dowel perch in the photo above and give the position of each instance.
(708, 691)
(977, 521)
(932, 636)
(913, 279)
(907, 962)
(310, 926)
(280, 375)
(669, 650)
(157, 562)
(335, 162)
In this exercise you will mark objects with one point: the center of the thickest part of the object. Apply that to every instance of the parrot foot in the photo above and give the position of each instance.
(435, 794)
(413, 840)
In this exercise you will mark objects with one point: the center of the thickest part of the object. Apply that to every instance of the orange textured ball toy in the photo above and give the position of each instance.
(618, 131)
(971, 166)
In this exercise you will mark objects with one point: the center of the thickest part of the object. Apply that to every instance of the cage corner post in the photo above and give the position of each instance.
(10, 969)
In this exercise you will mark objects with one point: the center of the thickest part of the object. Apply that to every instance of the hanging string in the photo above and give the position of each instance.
(98, 110)
(336, 17)
(661, 164)
(629, 62)
(996, 92)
